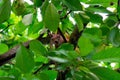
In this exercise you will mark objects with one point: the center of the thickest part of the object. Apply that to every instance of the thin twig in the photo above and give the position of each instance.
(4, 29)
(66, 15)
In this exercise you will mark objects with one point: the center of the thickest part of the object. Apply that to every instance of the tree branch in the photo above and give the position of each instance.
(6, 57)
(76, 35)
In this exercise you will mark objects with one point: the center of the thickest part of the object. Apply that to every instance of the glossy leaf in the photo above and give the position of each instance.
(73, 4)
(106, 74)
(51, 18)
(3, 48)
(90, 76)
(85, 46)
(5, 10)
(108, 55)
(24, 60)
(58, 59)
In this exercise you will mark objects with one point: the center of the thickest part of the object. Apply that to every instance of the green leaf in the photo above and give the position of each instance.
(44, 6)
(79, 22)
(73, 4)
(99, 9)
(105, 30)
(111, 21)
(94, 34)
(37, 47)
(6, 78)
(40, 58)
(43, 76)
(19, 28)
(3, 48)
(24, 60)
(35, 28)
(113, 37)
(85, 46)
(37, 3)
(118, 11)
(72, 55)
(66, 46)
(90, 76)
(95, 18)
(18, 7)
(51, 18)
(5, 10)
(108, 55)
(51, 74)
(85, 18)
(106, 74)
(105, 3)
(58, 59)
(57, 3)
(93, 31)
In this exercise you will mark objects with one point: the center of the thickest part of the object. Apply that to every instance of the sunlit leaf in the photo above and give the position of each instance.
(3, 48)
(19, 28)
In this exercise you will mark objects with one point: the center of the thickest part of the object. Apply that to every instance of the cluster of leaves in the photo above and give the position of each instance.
(90, 41)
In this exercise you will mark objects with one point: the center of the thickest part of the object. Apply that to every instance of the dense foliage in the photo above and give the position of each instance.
(60, 40)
